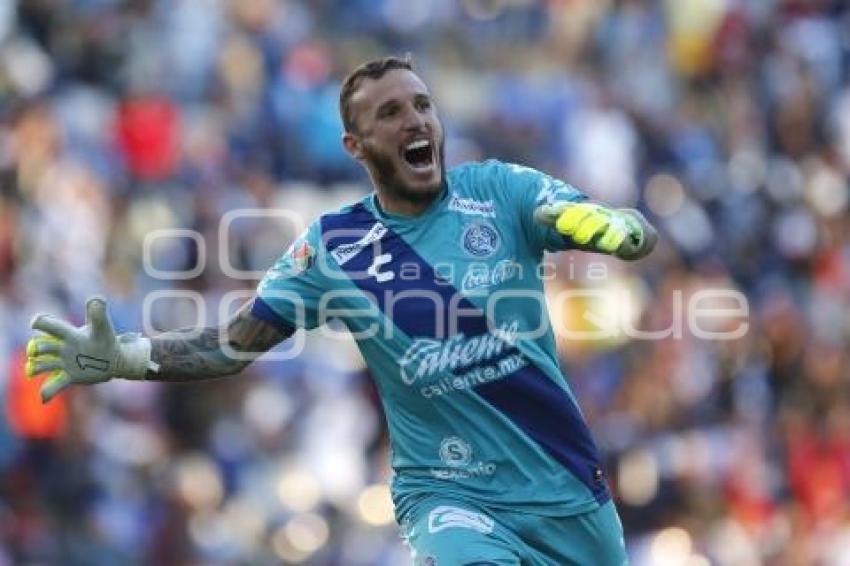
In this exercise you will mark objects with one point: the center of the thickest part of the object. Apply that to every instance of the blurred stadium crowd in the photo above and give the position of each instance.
(726, 121)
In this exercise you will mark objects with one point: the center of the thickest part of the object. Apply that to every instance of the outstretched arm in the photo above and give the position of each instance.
(188, 355)
(93, 353)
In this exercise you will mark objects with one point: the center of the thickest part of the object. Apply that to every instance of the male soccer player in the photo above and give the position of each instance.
(436, 274)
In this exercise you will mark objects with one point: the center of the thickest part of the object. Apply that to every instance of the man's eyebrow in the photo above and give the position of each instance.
(416, 96)
(385, 104)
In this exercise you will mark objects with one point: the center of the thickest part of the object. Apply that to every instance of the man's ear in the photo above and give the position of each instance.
(353, 145)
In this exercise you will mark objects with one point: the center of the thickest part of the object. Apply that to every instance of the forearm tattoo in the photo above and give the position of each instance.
(187, 355)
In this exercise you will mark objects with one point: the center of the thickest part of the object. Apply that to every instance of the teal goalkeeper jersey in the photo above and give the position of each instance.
(448, 311)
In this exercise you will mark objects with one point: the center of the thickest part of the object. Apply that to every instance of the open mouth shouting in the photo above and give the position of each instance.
(420, 157)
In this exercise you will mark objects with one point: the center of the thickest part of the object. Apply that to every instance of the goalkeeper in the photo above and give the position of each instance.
(493, 462)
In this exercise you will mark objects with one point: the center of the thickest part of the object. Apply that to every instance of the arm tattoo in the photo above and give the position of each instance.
(187, 355)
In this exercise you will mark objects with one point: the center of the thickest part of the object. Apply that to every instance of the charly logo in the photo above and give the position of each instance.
(480, 240)
(481, 276)
(427, 357)
(375, 269)
(473, 207)
(455, 452)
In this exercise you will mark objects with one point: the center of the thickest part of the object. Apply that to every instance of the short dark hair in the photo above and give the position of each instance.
(374, 70)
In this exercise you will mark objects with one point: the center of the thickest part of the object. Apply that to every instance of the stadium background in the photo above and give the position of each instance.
(727, 121)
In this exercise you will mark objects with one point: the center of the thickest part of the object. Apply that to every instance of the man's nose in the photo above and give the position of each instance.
(413, 119)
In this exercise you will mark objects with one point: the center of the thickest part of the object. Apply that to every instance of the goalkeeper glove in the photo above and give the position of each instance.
(623, 233)
(89, 354)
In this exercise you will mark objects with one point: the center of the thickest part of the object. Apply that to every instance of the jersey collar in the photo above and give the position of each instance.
(438, 203)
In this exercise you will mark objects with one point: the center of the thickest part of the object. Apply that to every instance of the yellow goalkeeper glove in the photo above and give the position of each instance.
(623, 233)
(89, 354)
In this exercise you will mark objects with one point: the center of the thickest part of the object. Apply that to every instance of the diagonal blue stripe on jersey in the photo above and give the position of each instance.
(264, 312)
(528, 397)
(545, 413)
(426, 299)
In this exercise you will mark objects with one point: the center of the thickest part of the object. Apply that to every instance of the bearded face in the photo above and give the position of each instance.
(399, 138)
(395, 179)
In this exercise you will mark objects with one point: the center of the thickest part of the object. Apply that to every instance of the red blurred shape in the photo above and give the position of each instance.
(28, 417)
(308, 65)
(818, 476)
(148, 131)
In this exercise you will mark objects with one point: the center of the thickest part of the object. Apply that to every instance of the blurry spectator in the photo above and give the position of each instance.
(727, 122)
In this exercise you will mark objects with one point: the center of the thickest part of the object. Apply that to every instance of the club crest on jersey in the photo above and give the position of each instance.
(480, 240)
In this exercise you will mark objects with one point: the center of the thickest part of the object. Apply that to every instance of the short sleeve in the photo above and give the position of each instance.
(290, 291)
(531, 188)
